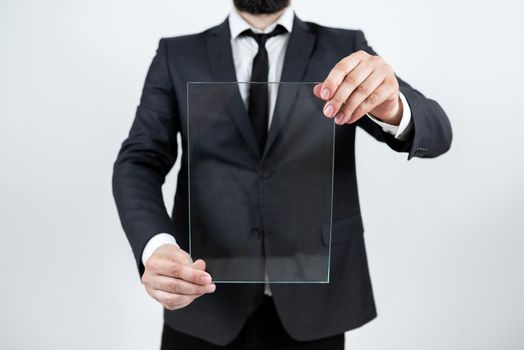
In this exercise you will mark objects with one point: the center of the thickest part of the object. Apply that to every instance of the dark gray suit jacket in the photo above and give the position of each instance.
(308, 311)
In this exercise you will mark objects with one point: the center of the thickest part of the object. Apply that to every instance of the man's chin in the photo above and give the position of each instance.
(259, 7)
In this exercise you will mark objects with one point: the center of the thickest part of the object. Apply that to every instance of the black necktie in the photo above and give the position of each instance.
(258, 108)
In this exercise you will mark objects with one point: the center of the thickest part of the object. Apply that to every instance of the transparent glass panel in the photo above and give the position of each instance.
(260, 215)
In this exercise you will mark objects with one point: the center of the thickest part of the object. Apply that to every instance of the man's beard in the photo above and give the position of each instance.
(257, 7)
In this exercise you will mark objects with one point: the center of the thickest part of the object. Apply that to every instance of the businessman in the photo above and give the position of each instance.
(263, 40)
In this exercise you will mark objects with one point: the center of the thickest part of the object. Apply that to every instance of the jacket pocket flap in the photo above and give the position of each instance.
(342, 229)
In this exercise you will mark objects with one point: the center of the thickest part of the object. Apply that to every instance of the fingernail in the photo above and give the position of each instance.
(211, 288)
(328, 110)
(206, 279)
(339, 116)
(325, 93)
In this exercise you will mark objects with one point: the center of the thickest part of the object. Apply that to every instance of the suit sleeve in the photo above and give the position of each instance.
(431, 135)
(145, 158)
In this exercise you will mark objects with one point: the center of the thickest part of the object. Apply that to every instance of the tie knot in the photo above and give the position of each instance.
(262, 37)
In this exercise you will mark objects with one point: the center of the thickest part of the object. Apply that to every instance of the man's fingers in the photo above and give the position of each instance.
(357, 85)
(178, 286)
(337, 74)
(350, 83)
(381, 94)
(359, 95)
(172, 301)
(190, 274)
(174, 269)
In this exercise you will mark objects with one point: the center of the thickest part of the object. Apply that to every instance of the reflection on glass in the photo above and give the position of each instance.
(255, 214)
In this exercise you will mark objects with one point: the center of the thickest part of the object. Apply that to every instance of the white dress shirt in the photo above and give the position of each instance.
(244, 49)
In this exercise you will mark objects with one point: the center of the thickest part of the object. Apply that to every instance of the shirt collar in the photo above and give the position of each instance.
(237, 24)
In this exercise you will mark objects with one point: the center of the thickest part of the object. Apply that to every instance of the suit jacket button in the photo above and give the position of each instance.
(264, 173)
(256, 232)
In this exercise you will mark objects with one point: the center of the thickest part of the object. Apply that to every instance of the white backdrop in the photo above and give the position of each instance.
(445, 237)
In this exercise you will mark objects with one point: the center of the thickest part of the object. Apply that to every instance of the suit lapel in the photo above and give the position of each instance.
(300, 47)
(223, 68)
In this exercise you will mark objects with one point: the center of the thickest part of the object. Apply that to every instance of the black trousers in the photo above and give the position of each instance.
(263, 330)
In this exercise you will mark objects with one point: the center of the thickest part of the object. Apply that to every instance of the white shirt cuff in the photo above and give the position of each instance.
(155, 242)
(402, 130)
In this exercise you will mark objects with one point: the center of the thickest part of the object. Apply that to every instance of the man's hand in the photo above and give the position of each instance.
(173, 279)
(360, 84)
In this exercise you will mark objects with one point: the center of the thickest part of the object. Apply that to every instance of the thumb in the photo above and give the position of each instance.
(316, 90)
(200, 265)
